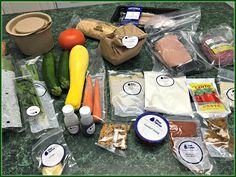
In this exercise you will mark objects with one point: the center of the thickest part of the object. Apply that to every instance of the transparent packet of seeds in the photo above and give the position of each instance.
(52, 156)
(217, 138)
(126, 94)
(32, 67)
(113, 137)
(97, 71)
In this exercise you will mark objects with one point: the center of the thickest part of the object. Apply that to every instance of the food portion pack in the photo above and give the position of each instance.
(217, 44)
(206, 98)
(52, 155)
(219, 142)
(113, 137)
(166, 94)
(126, 93)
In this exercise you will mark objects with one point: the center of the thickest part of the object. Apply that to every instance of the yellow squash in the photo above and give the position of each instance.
(78, 64)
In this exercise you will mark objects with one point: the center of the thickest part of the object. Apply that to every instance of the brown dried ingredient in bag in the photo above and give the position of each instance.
(114, 135)
(55, 170)
(218, 135)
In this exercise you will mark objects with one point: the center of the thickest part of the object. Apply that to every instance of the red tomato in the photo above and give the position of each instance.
(198, 98)
(70, 38)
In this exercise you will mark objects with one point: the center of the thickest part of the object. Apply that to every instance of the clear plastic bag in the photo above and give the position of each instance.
(217, 139)
(164, 93)
(226, 85)
(206, 98)
(52, 155)
(174, 50)
(113, 137)
(32, 67)
(191, 152)
(97, 71)
(11, 117)
(185, 20)
(126, 94)
(216, 44)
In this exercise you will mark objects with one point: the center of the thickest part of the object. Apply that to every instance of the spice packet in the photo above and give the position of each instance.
(126, 94)
(191, 152)
(52, 155)
(113, 137)
(11, 117)
(217, 139)
(163, 94)
(206, 98)
(226, 84)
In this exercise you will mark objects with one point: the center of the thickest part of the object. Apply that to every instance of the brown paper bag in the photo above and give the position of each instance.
(112, 48)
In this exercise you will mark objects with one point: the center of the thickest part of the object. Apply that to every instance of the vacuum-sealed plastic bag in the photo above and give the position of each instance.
(11, 117)
(173, 49)
(191, 152)
(166, 94)
(226, 84)
(52, 155)
(32, 67)
(126, 94)
(113, 137)
(217, 44)
(219, 142)
(206, 98)
(187, 20)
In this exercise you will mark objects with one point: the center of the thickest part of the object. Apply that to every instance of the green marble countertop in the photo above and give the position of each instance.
(92, 160)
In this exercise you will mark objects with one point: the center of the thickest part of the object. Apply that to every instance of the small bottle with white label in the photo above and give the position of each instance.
(71, 120)
(88, 126)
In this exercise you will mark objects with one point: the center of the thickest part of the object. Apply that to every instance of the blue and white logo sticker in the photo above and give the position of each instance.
(230, 94)
(132, 88)
(190, 152)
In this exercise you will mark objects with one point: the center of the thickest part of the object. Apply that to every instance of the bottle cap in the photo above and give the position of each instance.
(67, 110)
(85, 111)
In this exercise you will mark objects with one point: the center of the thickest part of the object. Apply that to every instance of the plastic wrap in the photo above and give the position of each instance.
(113, 137)
(164, 93)
(174, 50)
(32, 68)
(126, 94)
(206, 98)
(97, 71)
(226, 85)
(52, 155)
(217, 44)
(187, 20)
(217, 139)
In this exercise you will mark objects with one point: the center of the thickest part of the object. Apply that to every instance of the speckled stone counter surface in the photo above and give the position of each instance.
(141, 159)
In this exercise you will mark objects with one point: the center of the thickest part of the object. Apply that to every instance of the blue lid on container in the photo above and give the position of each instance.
(151, 127)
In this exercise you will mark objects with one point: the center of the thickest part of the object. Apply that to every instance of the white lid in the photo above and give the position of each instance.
(67, 109)
(85, 111)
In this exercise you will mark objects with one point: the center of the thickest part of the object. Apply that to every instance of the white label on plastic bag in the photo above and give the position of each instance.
(152, 127)
(91, 129)
(230, 94)
(132, 15)
(130, 41)
(41, 89)
(165, 81)
(33, 111)
(53, 155)
(132, 88)
(190, 152)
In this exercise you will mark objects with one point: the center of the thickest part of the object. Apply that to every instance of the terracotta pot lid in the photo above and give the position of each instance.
(30, 25)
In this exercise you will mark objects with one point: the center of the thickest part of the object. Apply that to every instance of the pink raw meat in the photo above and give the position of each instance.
(172, 51)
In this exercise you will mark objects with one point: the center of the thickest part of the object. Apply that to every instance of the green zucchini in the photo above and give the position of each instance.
(49, 75)
(63, 70)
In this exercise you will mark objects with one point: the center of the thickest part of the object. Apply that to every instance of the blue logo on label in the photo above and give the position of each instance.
(156, 121)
